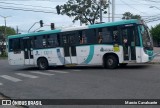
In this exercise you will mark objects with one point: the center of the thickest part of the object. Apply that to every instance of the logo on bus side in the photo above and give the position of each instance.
(37, 53)
(105, 50)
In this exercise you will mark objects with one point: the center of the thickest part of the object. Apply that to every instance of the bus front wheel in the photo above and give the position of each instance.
(42, 63)
(110, 62)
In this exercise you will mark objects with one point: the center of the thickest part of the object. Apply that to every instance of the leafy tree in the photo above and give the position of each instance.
(9, 31)
(87, 11)
(155, 31)
(128, 15)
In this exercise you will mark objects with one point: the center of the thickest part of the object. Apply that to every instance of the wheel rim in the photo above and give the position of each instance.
(110, 62)
(42, 64)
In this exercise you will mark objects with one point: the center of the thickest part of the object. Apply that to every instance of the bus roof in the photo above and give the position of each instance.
(77, 28)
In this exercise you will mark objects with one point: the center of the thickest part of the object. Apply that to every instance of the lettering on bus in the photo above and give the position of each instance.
(47, 52)
(106, 50)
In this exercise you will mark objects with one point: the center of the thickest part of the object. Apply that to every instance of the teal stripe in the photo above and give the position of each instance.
(90, 56)
(34, 34)
(114, 23)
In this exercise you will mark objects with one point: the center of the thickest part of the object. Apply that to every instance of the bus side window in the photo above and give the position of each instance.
(116, 35)
(106, 35)
(89, 36)
(80, 37)
(11, 45)
(44, 41)
(100, 39)
(32, 42)
(99, 36)
(83, 38)
(52, 40)
(38, 41)
(16, 45)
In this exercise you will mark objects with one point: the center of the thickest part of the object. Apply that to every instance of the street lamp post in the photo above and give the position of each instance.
(5, 17)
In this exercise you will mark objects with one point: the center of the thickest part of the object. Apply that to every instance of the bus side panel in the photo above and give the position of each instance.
(93, 54)
(120, 54)
(145, 57)
(59, 56)
(55, 56)
(16, 58)
(101, 50)
(138, 54)
(82, 54)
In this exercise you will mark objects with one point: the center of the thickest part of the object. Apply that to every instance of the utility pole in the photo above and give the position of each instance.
(17, 30)
(113, 10)
(101, 10)
(4, 36)
(109, 10)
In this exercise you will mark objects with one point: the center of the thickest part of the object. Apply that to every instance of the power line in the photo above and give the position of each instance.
(138, 4)
(26, 5)
(131, 6)
(152, 1)
(25, 8)
(10, 8)
(152, 20)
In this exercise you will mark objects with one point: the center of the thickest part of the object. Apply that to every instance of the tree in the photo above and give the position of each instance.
(9, 31)
(155, 31)
(128, 15)
(87, 11)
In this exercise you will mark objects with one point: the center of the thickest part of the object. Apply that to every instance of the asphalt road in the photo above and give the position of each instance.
(136, 81)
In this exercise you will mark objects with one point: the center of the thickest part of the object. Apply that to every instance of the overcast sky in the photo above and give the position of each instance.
(25, 19)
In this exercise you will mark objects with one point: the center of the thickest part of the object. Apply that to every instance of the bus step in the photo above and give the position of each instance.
(70, 65)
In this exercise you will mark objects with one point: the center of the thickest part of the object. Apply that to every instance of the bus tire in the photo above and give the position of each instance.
(111, 62)
(42, 64)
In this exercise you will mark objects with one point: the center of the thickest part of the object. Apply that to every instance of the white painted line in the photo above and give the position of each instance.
(10, 78)
(41, 73)
(77, 70)
(1, 83)
(27, 75)
(56, 71)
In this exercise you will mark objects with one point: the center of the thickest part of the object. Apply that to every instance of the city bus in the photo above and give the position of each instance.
(109, 45)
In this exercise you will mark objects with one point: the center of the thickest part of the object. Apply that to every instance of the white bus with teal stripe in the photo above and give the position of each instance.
(107, 44)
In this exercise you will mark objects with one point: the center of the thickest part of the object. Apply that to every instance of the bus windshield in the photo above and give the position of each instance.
(146, 38)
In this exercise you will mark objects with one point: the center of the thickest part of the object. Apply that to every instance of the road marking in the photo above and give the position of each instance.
(56, 71)
(1, 83)
(27, 75)
(41, 73)
(10, 78)
(77, 70)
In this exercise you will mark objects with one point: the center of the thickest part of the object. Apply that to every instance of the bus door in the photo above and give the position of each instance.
(129, 42)
(28, 50)
(69, 44)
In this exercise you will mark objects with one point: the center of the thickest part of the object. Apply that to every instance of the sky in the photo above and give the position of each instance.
(25, 19)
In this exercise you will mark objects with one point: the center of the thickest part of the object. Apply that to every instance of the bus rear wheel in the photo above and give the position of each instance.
(111, 62)
(42, 63)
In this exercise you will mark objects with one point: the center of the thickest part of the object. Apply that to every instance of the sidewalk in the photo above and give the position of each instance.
(156, 59)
